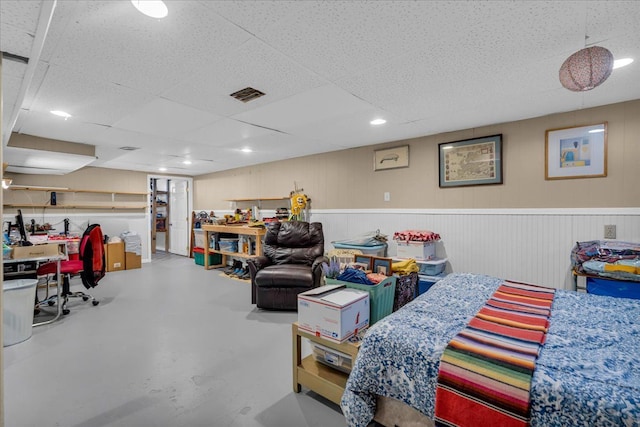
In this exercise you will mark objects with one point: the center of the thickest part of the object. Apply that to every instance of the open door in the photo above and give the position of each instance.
(179, 217)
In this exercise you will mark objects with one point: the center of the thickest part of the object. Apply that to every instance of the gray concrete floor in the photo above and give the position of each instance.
(169, 345)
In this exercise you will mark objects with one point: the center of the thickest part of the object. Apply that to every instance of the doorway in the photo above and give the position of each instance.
(170, 201)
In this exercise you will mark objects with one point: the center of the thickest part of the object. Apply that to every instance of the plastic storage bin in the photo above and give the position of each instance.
(17, 315)
(426, 282)
(198, 256)
(432, 267)
(375, 250)
(613, 288)
(333, 358)
(381, 296)
(228, 245)
(416, 250)
(198, 237)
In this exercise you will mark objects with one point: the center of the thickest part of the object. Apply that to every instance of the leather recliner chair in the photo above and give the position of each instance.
(292, 263)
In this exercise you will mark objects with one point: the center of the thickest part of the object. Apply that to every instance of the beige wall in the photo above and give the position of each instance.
(346, 180)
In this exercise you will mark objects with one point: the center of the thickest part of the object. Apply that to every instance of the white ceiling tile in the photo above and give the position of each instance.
(254, 64)
(86, 98)
(18, 23)
(46, 125)
(165, 118)
(308, 107)
(224, 132)
(150, 54)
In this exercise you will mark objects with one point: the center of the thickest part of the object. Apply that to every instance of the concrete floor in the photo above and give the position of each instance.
(169, 345)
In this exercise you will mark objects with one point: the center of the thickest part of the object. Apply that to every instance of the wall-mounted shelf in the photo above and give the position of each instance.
(258, 199)
(67, 198)
(68, 190)
(26, 205)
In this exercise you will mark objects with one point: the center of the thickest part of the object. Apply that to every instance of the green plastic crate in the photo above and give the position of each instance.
(198, 256)
(381, 296)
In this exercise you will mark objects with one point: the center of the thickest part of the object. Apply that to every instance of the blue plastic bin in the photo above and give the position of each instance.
(613, 288)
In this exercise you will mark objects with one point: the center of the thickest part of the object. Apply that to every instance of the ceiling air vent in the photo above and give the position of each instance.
(129, 148)
(247, 94)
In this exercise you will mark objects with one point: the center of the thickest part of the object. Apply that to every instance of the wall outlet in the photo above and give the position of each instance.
(610, 231)
(387, 196)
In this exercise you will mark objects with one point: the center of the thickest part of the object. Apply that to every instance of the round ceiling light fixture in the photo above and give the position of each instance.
(586, 69)
(378, 122)
(152, 8)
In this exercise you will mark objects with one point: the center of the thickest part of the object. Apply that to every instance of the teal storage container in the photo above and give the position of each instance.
(381, 296)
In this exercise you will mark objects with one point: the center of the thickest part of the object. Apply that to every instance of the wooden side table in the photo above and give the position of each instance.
(318, 377)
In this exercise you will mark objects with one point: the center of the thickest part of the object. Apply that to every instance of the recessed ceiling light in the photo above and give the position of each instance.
(186, 162)
(247, 150)
(60, 114)
(621, 62)
(162, 169)
(152, 8)
(378, 122)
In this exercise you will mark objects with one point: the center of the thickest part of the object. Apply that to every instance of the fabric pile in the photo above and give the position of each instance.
(613, 259)
(355, 276)
(416, 236)
(404, 267)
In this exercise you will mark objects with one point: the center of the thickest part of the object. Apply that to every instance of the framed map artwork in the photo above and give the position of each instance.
(476, 161)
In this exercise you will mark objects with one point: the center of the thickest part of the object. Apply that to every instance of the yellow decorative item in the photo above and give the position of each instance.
(299, 204)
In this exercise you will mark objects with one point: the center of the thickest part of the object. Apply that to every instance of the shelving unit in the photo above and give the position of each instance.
(258, 199)
(66, 198)
(241, 230)
(159, 214)
(323, 379)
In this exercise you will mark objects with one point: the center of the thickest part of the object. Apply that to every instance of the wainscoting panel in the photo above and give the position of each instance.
(529, 245)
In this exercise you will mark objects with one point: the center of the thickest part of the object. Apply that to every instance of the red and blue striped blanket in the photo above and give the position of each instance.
(485, 371)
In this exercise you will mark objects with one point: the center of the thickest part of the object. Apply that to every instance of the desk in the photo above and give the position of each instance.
(257, 232)
(57, 258)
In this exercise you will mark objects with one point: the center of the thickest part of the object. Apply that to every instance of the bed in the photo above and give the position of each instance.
(587, 373)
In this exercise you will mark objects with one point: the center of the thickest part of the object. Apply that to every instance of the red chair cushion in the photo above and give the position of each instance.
(66, 267)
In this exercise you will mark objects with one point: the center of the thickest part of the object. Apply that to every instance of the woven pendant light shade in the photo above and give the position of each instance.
(586, 69)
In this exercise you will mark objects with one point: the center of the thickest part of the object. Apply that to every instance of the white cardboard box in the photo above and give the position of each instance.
(333, 312)
(416, 250)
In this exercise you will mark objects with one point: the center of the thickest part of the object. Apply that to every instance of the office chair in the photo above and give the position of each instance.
(90, 267)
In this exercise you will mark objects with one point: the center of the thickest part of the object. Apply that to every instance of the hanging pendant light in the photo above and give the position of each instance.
(586, 69)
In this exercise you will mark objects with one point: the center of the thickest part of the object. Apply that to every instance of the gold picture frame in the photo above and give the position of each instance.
(576, 152)
(391, 158)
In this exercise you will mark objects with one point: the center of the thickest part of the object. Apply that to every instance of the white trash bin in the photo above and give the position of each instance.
(17, 310)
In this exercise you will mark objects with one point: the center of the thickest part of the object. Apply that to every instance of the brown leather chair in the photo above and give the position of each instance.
(292, 263)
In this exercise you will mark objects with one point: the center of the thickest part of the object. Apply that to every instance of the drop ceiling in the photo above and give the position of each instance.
(327, 69)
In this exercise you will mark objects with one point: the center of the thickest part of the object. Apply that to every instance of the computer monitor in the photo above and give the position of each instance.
(24, 241)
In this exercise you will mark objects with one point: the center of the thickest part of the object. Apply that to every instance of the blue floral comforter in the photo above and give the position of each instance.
(587, 374)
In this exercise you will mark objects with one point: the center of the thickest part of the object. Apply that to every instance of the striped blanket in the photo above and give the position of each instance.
(485, 371)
